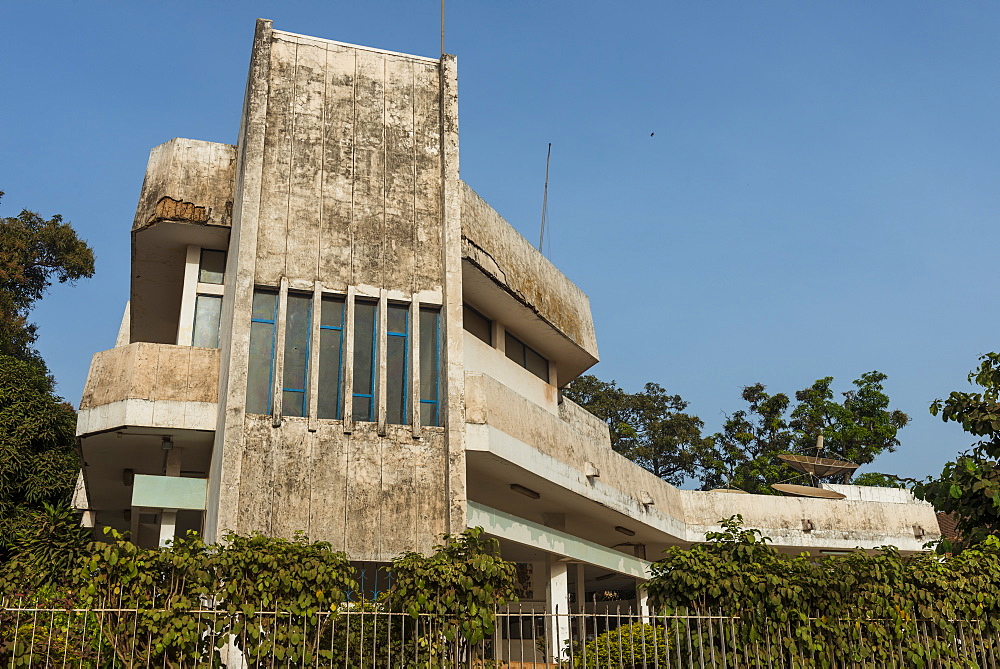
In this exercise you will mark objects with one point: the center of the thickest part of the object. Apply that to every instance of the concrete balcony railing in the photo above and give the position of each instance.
(569, 457)
(151, 385)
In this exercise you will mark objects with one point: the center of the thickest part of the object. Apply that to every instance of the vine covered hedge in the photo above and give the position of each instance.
(291, 600)
(819, 608)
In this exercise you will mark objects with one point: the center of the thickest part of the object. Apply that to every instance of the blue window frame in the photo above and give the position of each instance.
(295, 375)
(430, 365)
(331, 357)
(260, 370)
(365, 367)
(397, 363)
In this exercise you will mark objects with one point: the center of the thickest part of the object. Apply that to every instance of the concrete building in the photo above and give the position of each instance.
(329, 331)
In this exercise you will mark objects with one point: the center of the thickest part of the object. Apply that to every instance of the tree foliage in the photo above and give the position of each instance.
(649, 427)
(744, 453)
(879, 480)
(34, 252)
(462, 582)
(38, 460)
(969, 486)
(858, 428)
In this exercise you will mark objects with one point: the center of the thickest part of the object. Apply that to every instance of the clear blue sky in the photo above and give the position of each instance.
(820, 197)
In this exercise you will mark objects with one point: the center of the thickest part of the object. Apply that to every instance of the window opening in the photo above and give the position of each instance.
(526, 356)
(212, 268)
(365, 348)
(331, 356)
(207, 313)
(298, 316)
(397, 362)
(430, 365)
(477, 324)
(260, 370)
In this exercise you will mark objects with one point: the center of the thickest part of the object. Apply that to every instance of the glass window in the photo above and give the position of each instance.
(526, 356)
(477, 324)
(207, 312)
(295, 399)
(213, 266)
(331, 354)
(365, 338)
(397, 378)
(260, 370)
(430, 365)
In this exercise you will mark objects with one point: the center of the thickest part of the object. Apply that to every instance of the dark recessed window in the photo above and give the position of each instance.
(477, 324)
(526, 356)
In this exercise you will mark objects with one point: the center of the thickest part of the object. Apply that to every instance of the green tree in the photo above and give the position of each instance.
(969, 486)
(879, 480)
(34, 252)
(744, 453)
(649, 427)
(38, 460)
(858, 428)
(608, 402)
(461, 584)
(667, 441)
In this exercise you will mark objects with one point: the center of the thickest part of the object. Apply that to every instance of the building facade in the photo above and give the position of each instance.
(330, 332)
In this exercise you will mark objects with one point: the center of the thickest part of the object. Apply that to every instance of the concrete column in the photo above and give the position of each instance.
(557, 602)
(642, 599)
(168, 526)
(185, 324)
(581, 588)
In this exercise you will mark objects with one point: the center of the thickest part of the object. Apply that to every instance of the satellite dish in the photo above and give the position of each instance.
(730, 490)
(818, 467)
(806, 491)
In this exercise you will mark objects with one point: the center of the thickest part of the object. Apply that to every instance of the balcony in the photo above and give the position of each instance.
(151, 385)
(566, 475)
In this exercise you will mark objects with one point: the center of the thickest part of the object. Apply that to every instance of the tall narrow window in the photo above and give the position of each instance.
(331, 354)
(397, 361)
(207, 312)
(365, 340)
(260, 372)
(294, 398)
(526, 356)
(430, 365)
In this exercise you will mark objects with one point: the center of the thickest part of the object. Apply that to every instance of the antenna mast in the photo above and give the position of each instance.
(545, 196)
(442, 27)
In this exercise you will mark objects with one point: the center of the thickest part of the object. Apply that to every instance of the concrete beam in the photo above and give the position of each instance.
(506, 526)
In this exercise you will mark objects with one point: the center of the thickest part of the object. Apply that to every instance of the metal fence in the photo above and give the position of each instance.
(362, 636)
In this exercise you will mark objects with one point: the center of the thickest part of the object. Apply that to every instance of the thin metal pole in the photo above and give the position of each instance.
(442, 27)
(545, 197)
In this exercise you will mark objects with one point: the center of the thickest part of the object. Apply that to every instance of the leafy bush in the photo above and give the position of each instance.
(858, 607)
(635, 645)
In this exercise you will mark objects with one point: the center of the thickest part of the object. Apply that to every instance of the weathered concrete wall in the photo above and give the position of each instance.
(351, 169)
(152, 372)
(344, 158)
(188, 181)
(838, 524)
(500, 251)
(368, 495)
(562, 445)
(481, 357)
(492, 403)
(150, 385)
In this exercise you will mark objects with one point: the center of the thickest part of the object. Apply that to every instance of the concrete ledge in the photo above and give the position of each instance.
(147, 413)
(509, 527)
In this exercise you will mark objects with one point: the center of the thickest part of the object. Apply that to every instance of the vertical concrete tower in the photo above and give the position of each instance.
(341, 411)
